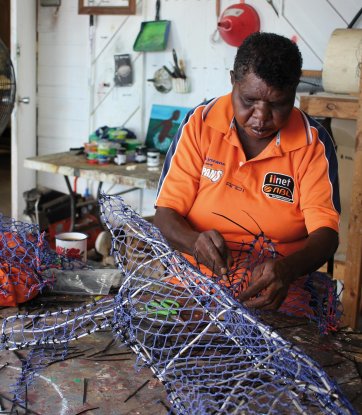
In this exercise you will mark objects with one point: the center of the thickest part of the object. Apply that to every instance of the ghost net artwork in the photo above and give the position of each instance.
(212, 355)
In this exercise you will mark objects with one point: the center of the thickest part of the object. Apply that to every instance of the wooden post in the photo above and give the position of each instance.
(353, 270)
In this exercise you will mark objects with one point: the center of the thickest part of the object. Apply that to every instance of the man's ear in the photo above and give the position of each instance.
(232, 77)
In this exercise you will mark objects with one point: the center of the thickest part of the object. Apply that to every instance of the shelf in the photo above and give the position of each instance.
(332, 106)
(347, 107)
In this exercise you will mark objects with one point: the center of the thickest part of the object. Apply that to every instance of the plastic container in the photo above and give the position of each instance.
(153, 157)
(131, 144)
(140, 154)
(102, 159)
(121, 157)
(91, 147)
(104, 147)
(84, 281)
(113, 149)
(92, 158)
(117, 134)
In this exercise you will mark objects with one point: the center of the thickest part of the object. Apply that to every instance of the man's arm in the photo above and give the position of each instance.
(208, 248)
(272, 278)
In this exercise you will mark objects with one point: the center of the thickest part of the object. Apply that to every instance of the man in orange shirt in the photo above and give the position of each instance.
(249, 163)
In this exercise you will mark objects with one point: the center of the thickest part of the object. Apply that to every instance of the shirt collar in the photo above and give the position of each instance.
(296, 134)
(219, 115)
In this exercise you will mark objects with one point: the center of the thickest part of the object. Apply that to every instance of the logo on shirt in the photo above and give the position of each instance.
(212, 174)
(209, 161)
(279, 186)
(235, 187)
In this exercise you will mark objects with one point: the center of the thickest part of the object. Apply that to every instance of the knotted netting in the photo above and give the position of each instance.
(24, 254)
(25, 258)
(314, 296)
(212, 354)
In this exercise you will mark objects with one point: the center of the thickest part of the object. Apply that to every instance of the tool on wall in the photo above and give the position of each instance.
(153, 35)
(237, 22)
(178, 70)
(180, 82)
(162, 80)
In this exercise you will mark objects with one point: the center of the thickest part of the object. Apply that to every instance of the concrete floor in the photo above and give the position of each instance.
(114, 387)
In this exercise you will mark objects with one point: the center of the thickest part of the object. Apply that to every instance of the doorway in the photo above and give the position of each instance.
(5, 138)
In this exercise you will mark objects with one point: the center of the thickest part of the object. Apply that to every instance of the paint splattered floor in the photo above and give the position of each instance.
(102, 375)
(99, 374)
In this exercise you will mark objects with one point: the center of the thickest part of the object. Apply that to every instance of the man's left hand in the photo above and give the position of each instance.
(269, 282)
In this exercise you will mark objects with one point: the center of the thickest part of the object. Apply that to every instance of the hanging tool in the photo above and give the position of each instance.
(182, 68)
(162, 80)
(153, 35)
(176, 68)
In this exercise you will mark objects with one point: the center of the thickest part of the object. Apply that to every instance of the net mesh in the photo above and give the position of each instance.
(24, 254)
(25, 258)
(212, 354)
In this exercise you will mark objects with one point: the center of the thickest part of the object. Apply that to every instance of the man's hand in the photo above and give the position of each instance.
(211, 250)
(270, 281)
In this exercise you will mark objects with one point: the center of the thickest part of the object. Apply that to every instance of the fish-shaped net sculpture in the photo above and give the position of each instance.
(213, 355)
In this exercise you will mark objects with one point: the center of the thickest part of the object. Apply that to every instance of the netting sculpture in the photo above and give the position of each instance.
(24, 256)
(212, 354)
(25, 262)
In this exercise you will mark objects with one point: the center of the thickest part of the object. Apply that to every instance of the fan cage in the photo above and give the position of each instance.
(7, 86)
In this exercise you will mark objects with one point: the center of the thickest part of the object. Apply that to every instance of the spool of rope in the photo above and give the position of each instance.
(342, 61)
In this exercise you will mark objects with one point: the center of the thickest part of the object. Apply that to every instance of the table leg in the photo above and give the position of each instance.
(73, 201)
(141, 202)
(99, 190)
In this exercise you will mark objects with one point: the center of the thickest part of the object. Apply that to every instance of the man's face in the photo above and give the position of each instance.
(260, 110)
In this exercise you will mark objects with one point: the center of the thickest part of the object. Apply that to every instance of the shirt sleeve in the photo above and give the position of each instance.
(179, 181)
(318, 180)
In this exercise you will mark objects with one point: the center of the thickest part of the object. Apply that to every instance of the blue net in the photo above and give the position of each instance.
(212, 354)
(314, 296)
(24, 256)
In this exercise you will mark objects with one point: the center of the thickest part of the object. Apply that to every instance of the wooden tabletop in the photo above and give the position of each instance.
(115, 387)
(69, 164)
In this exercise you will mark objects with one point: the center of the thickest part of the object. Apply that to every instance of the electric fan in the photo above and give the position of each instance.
(7, 86)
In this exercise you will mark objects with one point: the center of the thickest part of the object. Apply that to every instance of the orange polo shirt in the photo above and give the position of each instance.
(289, 190)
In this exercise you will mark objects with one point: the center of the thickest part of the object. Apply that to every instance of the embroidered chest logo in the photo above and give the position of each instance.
(279, 186)
(212, 174)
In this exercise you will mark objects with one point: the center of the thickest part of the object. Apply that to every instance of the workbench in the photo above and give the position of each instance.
(98, 375)
(138, 176)
(347, 107)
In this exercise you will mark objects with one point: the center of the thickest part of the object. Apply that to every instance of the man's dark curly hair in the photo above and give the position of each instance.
(273, 58)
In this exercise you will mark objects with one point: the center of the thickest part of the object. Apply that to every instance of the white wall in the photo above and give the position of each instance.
(76, 92)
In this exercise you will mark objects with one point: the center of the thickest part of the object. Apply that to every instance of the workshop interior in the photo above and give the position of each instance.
(98, 313)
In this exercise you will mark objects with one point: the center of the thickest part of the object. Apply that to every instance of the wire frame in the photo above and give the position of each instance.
(212, 354)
